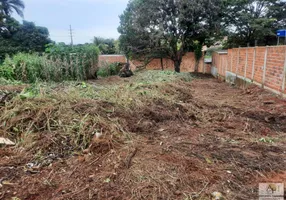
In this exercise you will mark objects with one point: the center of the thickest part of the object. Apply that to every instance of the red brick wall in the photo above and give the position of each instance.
(220, 61)
(263, 65)
(188, 63)
(113, 59)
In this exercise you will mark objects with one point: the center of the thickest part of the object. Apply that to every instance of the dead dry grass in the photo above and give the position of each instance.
(154, 136)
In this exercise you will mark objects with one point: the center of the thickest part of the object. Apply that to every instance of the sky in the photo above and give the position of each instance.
(88, 18)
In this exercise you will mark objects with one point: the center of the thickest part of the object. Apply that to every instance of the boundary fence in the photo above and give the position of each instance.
(264, 66)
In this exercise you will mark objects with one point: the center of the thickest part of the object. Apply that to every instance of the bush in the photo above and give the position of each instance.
(109, 69)
(22, 66)
(60, 66)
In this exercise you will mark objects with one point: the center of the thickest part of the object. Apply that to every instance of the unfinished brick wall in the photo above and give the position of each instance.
(111, 58)
(265, 66)
(188, 63)
(105, 59)
(220, 62)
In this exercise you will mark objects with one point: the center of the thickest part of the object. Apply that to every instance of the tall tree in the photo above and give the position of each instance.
(105, 45)
(26, 37)
(8, 6)
(167, 27)
(31, 37)
(254, 20)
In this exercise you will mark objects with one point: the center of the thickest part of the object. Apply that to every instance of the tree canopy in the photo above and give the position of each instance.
(7, 7)
(106, 45)
(167, 28)
(26, 37)
(16, 37)
(252, 20)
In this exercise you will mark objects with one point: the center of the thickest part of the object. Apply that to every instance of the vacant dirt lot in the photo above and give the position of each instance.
(165, 140)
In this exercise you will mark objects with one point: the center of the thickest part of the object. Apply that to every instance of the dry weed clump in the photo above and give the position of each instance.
(140, 138)
(65, 118)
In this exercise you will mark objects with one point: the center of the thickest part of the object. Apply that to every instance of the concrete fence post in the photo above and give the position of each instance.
(226, 64)
(253, 64)
(264, 67)
(220, 64)
(237, 62)
(204, 65)
(284, 74)
(246, 62)
(231, 58)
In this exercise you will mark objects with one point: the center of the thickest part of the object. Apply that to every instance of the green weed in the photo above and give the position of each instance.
(108, 69)
(74, 64)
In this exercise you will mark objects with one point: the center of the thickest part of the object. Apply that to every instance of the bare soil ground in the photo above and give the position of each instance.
(212, 137)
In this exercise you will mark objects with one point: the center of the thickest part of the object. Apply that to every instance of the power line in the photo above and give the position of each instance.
(71, 35)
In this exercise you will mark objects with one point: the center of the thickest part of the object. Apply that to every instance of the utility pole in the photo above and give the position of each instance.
(71, 35)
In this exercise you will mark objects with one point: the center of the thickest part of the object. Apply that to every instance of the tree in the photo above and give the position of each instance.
(6, 9)
(26, 37)
(167, 27)
(31, 37)
(252, 20)
(8, 6)
(105, 45)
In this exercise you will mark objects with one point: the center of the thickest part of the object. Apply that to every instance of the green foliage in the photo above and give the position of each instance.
(8, 6)
(198, 53)
(198, 50)
(108, 69)
(166, 28)
(30, 92)
(106, 46)
(253, 20)
(78, 64)
(16, 37)
(26, 37)
(7, 71)
(31, 37)
(211, 50)
(268, 140)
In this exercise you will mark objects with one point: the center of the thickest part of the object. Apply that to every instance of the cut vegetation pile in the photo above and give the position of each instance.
(157, 135)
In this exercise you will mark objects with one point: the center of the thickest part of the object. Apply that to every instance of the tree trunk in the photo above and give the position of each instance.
(127, 66)
(177, 64)
(162, 65)
(197, 66)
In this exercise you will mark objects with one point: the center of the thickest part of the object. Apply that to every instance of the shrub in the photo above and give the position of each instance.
(7, 72)
(103, 72)
(79, 64)
(109, 69)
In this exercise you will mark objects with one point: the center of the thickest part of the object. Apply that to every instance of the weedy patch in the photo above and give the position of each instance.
(64, 118)
(157, 135)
